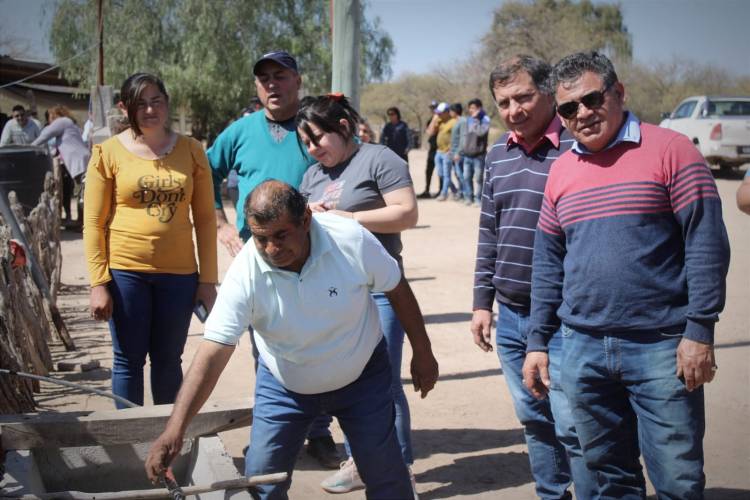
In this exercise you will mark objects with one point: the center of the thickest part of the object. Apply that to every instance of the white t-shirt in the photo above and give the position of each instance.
(315, 330)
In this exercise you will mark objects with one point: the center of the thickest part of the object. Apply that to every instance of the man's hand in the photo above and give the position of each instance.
(100, 302)
(695, 363)
(536, 374)
(161, 454)
(481, 329)
(424, 371)
(230, 238)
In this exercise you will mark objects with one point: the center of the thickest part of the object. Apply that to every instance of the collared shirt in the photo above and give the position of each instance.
(316, 329)
(552, 133)
(511, 200)
(630, 131)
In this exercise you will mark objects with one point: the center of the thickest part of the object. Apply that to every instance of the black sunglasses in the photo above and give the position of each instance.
(592, 100)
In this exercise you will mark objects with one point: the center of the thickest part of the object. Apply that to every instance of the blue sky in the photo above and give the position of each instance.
(430, 33)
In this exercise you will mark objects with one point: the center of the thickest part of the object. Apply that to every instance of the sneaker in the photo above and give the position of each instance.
(413, 482)
(324, 450)
(468, 202)
(441, 197)
(346, 479)
(425, 195)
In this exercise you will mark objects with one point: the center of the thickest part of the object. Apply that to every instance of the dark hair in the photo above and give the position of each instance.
(325, 112)
(393, 109)
(131, 91)
(571, 68)
(271, 199)
(538, 70)
(18, 107)
(476, 102)
(457, 108)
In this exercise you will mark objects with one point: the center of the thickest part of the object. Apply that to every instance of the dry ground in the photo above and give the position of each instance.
(467, 441)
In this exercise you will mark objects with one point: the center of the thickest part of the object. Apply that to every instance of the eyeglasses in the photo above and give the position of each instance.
(592, 100)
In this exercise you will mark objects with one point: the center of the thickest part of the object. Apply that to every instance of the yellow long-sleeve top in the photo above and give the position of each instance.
(444, 135)
(137, 212)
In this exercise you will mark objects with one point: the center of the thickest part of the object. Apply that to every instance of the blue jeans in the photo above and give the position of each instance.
(394, 341)
(150, 316)
(364, 408)
(554, 452)
(444, 164)
(473, 172)
(626, 399)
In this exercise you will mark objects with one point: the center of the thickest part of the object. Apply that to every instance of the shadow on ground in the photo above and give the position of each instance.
(477, 474)
(447, 318)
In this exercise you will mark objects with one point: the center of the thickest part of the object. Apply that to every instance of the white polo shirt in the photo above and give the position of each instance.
(316, 329)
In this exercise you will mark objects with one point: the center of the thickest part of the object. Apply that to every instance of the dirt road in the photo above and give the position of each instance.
(467, 441)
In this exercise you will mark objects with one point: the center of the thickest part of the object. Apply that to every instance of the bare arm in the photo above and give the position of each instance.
(200, 380)
(399, 213)
(743, 196)
(424, 366)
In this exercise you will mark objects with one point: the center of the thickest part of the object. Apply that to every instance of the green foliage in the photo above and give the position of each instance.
(204, 50)
(551, 29)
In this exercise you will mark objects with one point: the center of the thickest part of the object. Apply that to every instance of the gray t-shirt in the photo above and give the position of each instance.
(359, 184)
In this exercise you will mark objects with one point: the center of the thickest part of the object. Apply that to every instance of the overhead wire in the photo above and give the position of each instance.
(51, 68)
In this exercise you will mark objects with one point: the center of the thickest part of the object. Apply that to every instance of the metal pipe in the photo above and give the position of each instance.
(80, 387)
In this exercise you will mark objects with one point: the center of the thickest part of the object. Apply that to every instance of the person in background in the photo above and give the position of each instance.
(473, 148)
(20, 129)
(365, 133)
(442, 125)
(372, 185)
(143, 188)
(459, 129)
(395, 134)
(743, 194)
(431, 150)
(74, 153)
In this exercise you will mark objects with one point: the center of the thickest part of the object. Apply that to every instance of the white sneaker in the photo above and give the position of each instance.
(413, 482)
(344, 480)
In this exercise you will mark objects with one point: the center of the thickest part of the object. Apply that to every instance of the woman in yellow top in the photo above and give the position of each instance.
(142, 186)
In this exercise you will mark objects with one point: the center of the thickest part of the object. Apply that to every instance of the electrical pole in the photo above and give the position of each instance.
(100, 72)
(345, 22)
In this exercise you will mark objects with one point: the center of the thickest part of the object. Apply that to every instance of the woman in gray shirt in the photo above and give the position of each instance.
(371, 184)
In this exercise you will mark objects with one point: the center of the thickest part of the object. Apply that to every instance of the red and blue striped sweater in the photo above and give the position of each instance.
(630, 239)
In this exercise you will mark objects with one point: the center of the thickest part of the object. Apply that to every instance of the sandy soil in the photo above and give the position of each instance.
(467, 441)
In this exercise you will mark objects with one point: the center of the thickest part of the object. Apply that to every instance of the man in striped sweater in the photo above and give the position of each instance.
(515, 175)
(631, 254)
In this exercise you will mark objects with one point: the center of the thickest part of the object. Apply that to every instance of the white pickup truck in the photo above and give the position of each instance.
(718, 125)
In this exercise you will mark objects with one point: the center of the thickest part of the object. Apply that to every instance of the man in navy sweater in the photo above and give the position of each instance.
(631, 254)
(516, 172)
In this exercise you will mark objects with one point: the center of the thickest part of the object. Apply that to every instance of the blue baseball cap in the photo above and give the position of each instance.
(280, 57)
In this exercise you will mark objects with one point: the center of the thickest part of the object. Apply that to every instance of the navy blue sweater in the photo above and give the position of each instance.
(630, 239)
(511, 200)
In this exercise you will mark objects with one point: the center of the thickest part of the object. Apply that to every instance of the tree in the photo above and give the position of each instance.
(204, 50)
(551, 29)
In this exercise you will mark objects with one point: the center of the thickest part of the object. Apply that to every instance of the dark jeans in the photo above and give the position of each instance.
(364, 408)
(626, 398)
(150, 316)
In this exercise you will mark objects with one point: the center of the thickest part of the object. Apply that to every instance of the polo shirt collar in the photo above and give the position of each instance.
(630, 131)
(320, 244)
(552, 134)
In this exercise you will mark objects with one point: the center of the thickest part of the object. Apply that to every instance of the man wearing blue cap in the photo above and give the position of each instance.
(263, 146)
